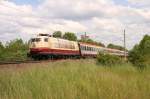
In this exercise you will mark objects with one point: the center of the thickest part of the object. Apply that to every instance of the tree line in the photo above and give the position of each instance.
(71, 36)
(14, 50)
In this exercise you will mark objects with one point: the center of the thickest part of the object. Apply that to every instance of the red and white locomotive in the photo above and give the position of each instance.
(45, 46)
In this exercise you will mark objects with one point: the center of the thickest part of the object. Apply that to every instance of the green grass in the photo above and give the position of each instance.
(81, 79)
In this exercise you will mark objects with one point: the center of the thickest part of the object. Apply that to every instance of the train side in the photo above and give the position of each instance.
(50, 47)
(89, 50)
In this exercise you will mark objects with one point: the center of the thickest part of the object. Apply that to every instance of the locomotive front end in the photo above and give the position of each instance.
(37, 46)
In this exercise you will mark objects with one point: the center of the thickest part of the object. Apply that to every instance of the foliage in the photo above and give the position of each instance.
(1, 49)
(92, 41)
(101, 44)
(14, 50)
(108, 60)
(140, 54)
(1, 46)
(70, 36)
(57, 34)
(113, 46)
(79, 79)
(86, 40)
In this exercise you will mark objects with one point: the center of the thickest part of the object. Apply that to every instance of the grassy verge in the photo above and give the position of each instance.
(74, 80)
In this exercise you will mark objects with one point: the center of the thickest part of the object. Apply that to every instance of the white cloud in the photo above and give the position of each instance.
(140, 2)
(102, 19)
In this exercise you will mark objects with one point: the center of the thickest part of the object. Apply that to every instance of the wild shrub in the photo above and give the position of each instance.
(140, 54)
(108, 60)
(14, 50)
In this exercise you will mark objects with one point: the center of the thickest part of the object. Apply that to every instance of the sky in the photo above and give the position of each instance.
(102, 20)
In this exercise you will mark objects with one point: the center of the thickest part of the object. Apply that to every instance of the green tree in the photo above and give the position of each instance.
(1, 45)
(92, 41)
(57, 34)
(101, 44)
(86, 40)
(109, 60)
(140, 54)
(1, 50)
(16, 50)
(113, 46)
(70, 36)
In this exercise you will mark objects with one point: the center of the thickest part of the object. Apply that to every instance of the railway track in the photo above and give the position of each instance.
(17, 62)
(28, 61)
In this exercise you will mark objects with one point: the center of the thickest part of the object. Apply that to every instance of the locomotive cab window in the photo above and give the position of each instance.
(36, 40)
(32, 40)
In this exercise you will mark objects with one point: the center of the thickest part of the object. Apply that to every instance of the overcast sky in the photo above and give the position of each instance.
(103, 20)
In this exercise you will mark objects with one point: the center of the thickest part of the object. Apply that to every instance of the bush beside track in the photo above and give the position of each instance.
(109, 60)
(140, 54)
(15, 50)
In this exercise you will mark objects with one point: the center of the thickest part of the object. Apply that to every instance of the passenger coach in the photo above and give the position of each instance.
(89, 50)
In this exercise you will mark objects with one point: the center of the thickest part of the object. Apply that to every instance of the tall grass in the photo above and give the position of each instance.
(81, 79)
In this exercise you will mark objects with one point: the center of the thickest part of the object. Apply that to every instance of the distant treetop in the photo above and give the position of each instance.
(57, 34)
(113, 46)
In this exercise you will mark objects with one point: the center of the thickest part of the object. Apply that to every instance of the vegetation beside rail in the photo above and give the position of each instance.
(15, 50)
(140, 54)
(80, 79)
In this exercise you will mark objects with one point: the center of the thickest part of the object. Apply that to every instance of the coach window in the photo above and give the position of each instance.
(87, 48)
(90, 48)
(84, 47)
(81, 47)
(45, 39)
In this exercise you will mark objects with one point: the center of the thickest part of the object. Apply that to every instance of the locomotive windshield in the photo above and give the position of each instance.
(35, 39)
